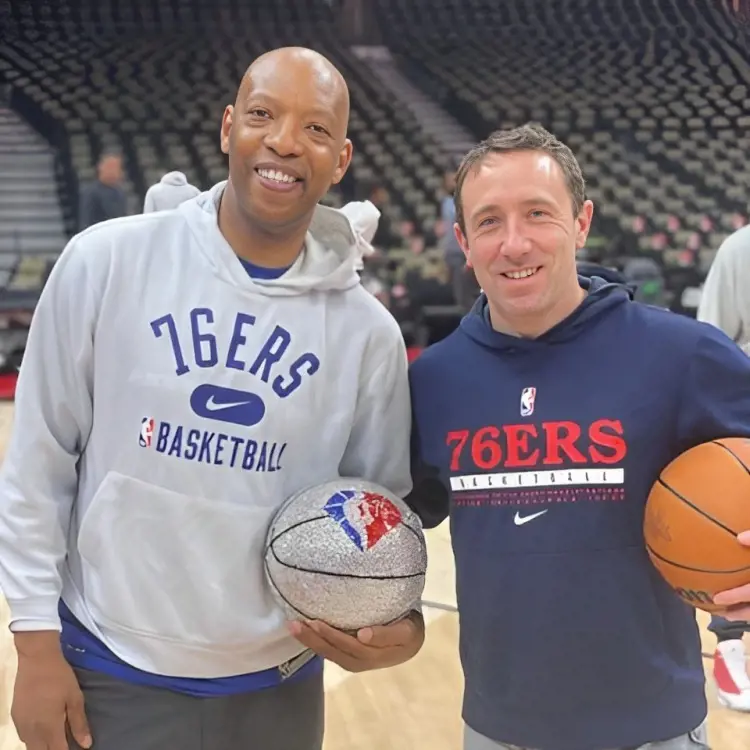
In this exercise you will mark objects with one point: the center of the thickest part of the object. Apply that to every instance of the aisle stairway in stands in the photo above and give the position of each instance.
(455, 139)
(31, 221)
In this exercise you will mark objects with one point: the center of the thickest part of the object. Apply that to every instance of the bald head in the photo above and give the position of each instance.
(285, 137)
(298, 69)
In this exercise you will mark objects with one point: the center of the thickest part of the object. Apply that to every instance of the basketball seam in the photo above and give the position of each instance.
(324, 517)
(416, 532)
(696, 508)
(293, 527)
(343, 575)
(732, 454)
(694, 570)
(284, 599)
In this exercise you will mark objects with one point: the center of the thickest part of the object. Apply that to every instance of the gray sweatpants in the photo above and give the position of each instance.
(695, 740)
(123, 716)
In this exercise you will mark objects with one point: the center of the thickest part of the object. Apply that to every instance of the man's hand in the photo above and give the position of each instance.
(47, 696)
(736, 601)
(370, 648)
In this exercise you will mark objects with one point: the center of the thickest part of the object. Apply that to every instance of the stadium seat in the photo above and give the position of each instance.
(159, 95)
(651, 94)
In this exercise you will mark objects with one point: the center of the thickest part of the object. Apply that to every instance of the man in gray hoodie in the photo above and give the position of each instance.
(259, 246)
(169, 192)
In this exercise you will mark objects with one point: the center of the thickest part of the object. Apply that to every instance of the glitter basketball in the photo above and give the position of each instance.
(348, 553)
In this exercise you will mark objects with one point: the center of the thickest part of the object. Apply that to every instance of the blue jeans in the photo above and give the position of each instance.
(727, 630)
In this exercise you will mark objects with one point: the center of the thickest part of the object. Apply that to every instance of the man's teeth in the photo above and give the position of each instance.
(274, 174)
(521, 274)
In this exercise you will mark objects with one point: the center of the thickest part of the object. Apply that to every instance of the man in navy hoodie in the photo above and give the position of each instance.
(540, 425)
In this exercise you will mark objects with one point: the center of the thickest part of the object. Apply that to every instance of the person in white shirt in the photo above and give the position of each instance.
(725, 299)
(725, 303)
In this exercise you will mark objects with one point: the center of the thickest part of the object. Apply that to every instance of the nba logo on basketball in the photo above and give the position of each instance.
(528, 396)
(365, 517)
(147, 432)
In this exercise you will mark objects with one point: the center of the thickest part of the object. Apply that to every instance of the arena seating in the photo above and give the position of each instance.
(158, 94)
(651, 94)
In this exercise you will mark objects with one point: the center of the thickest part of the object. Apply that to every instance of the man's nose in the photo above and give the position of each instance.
(283, 138)
(515, 243)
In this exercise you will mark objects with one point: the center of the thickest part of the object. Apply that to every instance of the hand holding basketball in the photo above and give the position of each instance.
(376, 647)
(695, 526)
(736, 600)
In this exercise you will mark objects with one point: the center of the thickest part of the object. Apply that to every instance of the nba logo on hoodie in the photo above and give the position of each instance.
(147, 432)
(528, 396)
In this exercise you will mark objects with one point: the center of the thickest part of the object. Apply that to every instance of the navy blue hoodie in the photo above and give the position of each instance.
(543, 452)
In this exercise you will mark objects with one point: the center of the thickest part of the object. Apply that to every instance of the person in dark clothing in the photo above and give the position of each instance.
(386, 237)
(103, 198)
(539, 426)
(462, 278)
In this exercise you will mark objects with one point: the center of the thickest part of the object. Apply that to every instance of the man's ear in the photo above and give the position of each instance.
(462, 242)
(226, 128)
(583, 223)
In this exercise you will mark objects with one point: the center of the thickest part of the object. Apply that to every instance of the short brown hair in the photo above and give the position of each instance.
(529, 137)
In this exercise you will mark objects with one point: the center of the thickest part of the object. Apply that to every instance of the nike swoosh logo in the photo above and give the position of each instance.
(520, 520)
(231, 405)
(213, 405)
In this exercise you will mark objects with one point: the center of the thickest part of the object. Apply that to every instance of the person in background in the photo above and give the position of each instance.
(386, 237)
(725, 303)
(103, 198)
(168, 193)
(462, 278)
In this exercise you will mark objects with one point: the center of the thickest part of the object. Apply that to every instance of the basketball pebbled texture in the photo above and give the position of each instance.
(694, 512)
(347, 552)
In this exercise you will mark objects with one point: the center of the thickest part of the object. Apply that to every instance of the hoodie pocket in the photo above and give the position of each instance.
(175, 567)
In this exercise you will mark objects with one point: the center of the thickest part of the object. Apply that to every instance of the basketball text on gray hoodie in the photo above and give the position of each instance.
(172, 190)
(167, 404)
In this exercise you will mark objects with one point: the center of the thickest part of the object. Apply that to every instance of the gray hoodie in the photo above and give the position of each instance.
(168, 193)
(167, 404)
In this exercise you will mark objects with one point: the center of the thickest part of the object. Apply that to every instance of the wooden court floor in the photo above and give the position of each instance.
(412, 707)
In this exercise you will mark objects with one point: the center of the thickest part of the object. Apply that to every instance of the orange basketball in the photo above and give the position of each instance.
(694, 512)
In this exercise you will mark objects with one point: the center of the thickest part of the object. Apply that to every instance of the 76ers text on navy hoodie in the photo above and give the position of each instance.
(543, 451)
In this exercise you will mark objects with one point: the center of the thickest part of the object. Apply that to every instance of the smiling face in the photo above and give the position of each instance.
(521, 236)
(286, 136)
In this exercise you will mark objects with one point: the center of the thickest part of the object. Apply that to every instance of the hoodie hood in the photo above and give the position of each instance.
(335, 244)
(603, 296)
(588, 269)
(172, 190)
(174, 178)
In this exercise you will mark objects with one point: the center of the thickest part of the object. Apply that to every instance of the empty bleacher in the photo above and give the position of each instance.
(154, 80)
(653, 95)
